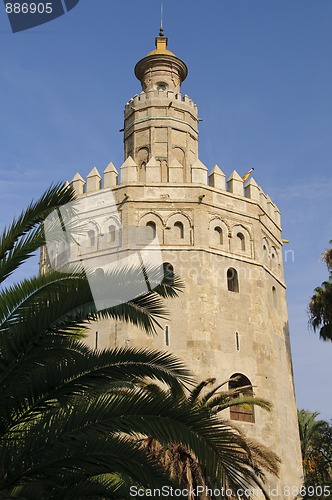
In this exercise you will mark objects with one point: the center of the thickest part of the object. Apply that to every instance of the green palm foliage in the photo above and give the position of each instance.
(316, 448)
(320, 306)
(47, 374)
(71, 418)
(218, 398)
(181, 463)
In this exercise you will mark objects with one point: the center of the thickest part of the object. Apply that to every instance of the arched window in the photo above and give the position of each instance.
(153, 229)
(274, 296)
(218, 236)
(179, 230)
(241, 242)
(111, 233)
(92, 238)
(168, 271)
(232, 280)
(241, 386)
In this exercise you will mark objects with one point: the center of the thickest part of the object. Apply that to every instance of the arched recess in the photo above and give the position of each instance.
(154, 222)
(179, 155)
(142, 159)
(152, 227)
(89, 241)
(240, 241)
(111, 233)
(241, 387)
(178, 230)
(218, 234)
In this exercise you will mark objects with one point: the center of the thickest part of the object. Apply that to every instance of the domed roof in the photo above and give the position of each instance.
(160, 59)
(161, 46)
(159, 51)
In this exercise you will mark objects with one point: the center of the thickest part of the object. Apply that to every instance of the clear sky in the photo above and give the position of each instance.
(261, 74)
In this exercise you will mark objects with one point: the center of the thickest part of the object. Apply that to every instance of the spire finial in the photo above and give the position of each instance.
(161, 31)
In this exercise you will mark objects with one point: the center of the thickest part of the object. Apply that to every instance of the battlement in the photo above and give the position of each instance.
(160, 95)
(216, 181)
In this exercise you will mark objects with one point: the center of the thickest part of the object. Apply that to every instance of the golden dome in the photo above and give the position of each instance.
(160, 51)
(161, 47)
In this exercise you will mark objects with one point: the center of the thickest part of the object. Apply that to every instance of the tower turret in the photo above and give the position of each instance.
(160, 123)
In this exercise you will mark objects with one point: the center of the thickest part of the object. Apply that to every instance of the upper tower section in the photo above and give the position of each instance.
(159, 123)
(161, 69)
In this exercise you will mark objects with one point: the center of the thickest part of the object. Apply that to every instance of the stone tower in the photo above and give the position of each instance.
(221, 238)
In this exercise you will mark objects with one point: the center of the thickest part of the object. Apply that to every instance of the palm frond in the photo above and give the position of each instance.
(23, 236)
(58, 382)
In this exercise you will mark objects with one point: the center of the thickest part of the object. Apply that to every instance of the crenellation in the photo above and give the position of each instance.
(110, 176)
(263, 200)
(93, 181)
(153, 171)
(235, 184)
(158, 95)
(277, 216)
(136, 99)
(252, 190)
(129, 171)
(78, 184)
(175, 171)
(217, 178)
(270, 206)
(153, 175)
(199, 173)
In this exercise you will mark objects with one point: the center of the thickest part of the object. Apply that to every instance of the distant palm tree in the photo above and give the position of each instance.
(316, 446)
(320, 306)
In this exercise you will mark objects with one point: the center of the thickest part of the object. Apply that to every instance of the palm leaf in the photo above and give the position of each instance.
(24, 236)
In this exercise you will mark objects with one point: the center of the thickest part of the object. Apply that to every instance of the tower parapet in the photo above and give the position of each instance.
(214, 183)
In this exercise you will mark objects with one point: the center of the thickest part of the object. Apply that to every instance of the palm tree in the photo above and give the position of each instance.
(46, 373)
(320, 306)
(70, 416)
(180, 463)
(316, 447)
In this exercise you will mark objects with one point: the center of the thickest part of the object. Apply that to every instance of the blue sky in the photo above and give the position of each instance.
(261, 74)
